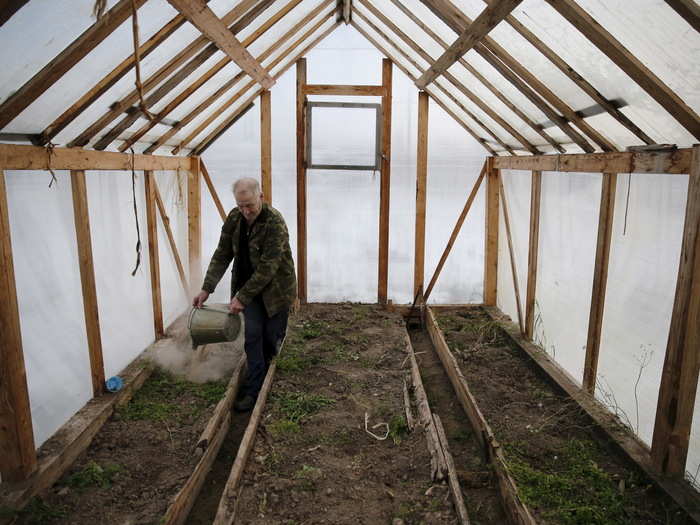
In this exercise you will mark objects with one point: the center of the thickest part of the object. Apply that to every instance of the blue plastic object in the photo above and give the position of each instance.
(114, 384)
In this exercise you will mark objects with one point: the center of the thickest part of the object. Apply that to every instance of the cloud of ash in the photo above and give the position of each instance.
(211, 362)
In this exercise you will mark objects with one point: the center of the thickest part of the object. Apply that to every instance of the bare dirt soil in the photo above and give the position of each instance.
(565, 470)
(313, 462)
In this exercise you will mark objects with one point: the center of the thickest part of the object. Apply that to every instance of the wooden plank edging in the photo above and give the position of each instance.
(513, 506)
(634, 449)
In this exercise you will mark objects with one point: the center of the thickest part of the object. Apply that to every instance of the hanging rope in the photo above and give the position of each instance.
(137, 60)
(627, 203)
(49, 151)
(99, 8)
(136, 215)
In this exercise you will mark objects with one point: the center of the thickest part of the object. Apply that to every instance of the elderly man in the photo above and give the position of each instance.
(263, 284)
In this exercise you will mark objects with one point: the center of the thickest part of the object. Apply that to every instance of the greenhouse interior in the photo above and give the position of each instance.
(501, 325)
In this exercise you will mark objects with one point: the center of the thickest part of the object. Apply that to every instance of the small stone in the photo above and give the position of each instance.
(63, 491)
(329, 491)
(397, 521)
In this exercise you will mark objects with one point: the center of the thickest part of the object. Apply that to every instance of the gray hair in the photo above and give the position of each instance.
(246, 184)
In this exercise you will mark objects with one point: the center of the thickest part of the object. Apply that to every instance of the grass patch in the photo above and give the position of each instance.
(307, 477)
(294, 359)
(398, 428)
(35, 513)
(573, 490)
(299, 406)
(282, 428)
(312, 329)
(160, 398)
(94, 475)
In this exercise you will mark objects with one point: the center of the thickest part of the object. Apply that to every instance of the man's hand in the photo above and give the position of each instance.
(200, 299)
(236, 307)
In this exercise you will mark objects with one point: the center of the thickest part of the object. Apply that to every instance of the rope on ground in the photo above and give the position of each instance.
(136, 215)
(375, 436)
(49, 151)
(137, 60)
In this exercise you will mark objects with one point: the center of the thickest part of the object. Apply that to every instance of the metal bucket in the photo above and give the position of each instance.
(213, 324)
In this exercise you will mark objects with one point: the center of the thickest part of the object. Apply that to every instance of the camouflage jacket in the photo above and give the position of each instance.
(270, 256)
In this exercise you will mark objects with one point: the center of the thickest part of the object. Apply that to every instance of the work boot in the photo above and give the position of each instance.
(244, 404)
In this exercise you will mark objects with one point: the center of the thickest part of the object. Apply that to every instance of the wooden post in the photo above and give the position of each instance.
(535, 196)
(153, 258)
(511, 253)
(266, 146)
(674, 412)
(600, 279)
(383, 269)
(194, 224)
(87, 279)
(491, 236)
(301, 181)
(421, 180)
(17, 452)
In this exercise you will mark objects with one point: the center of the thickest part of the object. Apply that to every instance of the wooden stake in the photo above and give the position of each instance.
(385, 183)
(491, 236)
(421, 180)
(453, 480)
(87, 279)
(301, 181)
(674, 412)
(266, 146)
(17, 454)
(194, 224)
(153, 256)
(511, 252)
(455, 232)
(600, 279)
(532, 253)
(212, 190)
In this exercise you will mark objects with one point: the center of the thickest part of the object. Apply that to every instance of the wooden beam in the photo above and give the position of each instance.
(511, 253)
(153, 255)
(532, 253)
(71, 55)
(629, 63)
(677, 162)
(491, 236)
(21, 157)
(17, 453)
(340, 90)
(8, 8)
(229, 84)
(421, 183)
(211, 26)
(689, 10)
(194, 225)
(679, 379)
(455, 232)
(347, 11)
(212, 190)
(477, 30)
(87, 280)
(600, 279)
(385, 183)
(171, 239)
(301, 181)
(266, 146)
(160, 77)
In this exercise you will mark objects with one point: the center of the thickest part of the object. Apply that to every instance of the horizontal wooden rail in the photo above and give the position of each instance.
(318, 89)
(677, 162)
(21, 157)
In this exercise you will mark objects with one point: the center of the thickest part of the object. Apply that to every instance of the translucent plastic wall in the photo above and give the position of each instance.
(643, 268)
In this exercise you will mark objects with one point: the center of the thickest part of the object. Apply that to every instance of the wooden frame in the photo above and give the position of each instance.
(266, 145)
(491, 236)
(385, 183)
(153, 255)
(533, 249)
(421, 184)
(194, 225)
(301, 181)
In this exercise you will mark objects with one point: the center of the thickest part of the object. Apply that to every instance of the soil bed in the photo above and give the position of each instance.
(140, 458)
(566, 471)
(312, 461)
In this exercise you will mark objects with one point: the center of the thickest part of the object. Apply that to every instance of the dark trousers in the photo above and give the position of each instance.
(263, 335)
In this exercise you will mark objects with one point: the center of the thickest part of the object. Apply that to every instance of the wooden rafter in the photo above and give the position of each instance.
(484, 107)
(60, 65)
(630, 64)
(522, 78)
(211, 26)
(347, 11)
(481, 78)
(208, 75)
(689, 10)
(477, 30)
(182, 123)
(240, 16)
(406, 72)
(228, 103)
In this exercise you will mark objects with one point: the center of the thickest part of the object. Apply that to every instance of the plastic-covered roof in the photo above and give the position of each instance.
(548, 78)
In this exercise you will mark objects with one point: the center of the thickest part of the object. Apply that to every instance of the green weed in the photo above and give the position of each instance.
(312, 329)
(398, 428)
(298, 406)
(307, 477)
(94, 475)
(294, 359)
(283, 427)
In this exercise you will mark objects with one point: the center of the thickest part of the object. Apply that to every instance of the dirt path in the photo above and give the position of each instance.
(479, 486)
(313, 462)
(566, 471)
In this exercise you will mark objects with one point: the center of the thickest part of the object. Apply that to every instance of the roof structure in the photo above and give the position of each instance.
(526, 77)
